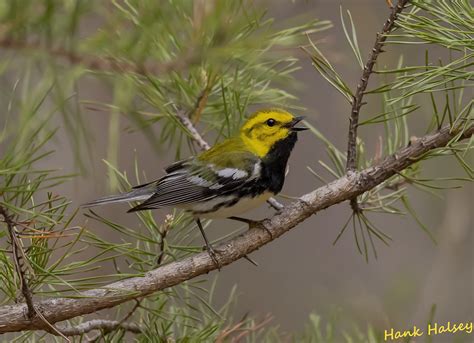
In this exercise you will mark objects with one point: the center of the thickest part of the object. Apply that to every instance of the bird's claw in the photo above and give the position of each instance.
(213, 254)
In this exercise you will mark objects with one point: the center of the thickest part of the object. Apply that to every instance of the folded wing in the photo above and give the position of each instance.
(192, 181)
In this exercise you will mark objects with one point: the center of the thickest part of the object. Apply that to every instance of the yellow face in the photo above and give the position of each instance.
(265, 127)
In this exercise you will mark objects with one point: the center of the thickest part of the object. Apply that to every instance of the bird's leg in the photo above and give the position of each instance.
(252, 224)
(210, 249)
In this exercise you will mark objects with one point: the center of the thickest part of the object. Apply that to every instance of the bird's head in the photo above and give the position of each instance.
(266, 127)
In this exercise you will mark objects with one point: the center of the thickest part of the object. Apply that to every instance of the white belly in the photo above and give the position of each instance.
(242, 206)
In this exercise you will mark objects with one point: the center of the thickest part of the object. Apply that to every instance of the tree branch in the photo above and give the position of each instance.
(364, 80)
(12, 317)
(100, 324)
(104, 64)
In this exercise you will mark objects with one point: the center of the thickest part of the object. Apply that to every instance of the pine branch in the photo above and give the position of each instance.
(357, 102)
(18, 257)
(202, 100)
(351, 185)
(100, 324)
(163, 233)
(364, 81)
(108, 326)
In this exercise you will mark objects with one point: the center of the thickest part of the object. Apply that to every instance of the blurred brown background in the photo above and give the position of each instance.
(303, 272)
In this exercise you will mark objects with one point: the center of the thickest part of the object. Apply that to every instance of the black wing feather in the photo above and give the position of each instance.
(179, 187)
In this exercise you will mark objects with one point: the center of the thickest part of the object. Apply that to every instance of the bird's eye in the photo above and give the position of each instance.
(271, 122)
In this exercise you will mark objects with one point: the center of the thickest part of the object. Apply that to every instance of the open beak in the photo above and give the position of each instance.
(292, 124)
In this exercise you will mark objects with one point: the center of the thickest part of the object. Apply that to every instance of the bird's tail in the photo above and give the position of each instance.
(138, 194)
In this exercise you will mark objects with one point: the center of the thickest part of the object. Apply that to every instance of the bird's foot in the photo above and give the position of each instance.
(213, 254)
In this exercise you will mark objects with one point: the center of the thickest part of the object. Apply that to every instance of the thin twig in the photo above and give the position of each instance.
(253, 328)
(119, 325)
(163, 233)
(100, 324)
(131, 312)
(364, 80)
(229, 330)
(202, 100)
(357, 103)
(18, 257)
(243, 331)
(345, 188)
(195, 135)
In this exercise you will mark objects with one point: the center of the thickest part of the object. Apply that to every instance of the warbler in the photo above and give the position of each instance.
(230, 178)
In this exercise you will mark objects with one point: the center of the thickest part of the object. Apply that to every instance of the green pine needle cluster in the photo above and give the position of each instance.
(440, 89)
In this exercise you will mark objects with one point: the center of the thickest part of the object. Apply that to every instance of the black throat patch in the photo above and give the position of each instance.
(274, 163)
